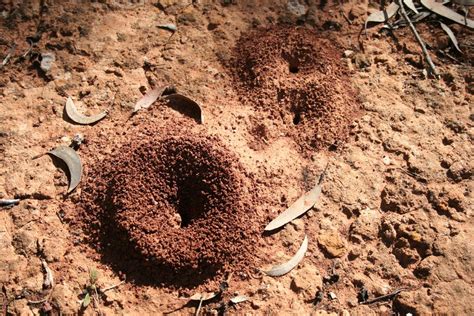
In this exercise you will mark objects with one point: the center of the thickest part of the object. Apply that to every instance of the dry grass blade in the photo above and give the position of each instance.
(446, 12)
(73, 163)
(411, 5)
(185, 105)
(451, 35)
(79, 118)
(383, 15)
(292, 263)
(298, 208)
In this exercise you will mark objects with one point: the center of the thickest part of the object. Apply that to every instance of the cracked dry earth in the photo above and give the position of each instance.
(396, 205)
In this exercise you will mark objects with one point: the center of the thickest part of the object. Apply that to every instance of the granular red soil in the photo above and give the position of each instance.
(175, 204)
(296, 78)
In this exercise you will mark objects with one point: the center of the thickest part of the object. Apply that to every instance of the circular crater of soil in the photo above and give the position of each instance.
(297, 79)
(172, 210)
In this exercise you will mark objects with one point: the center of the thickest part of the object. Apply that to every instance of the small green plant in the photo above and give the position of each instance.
(90, 291)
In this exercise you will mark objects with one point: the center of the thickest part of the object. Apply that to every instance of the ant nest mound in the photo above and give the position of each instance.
(298, 80)
(172, 210)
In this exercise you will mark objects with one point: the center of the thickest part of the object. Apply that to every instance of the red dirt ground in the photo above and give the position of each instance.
(396, 206)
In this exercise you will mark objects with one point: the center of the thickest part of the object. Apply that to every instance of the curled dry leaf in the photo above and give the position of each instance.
(292, 263)
(86, 301)
(169, 27)
(203, 296)
(9, 202)
(73, 163)
(411, 5)
(451, 35)
(239, 299)
(150, 98)
(79, 118)
(48, 281)
(383, 15)
(298, 208)
(446, 12)
(185, 105)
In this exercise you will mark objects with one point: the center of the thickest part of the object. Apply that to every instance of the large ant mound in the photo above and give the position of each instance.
(172, 210)
(299, 79)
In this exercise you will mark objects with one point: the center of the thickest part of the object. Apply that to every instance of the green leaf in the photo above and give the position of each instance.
(86, 301)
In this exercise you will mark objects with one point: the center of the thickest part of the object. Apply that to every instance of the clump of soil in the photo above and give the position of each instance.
(175, 204)
(296, 77)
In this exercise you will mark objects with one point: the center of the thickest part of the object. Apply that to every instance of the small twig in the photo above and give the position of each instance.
(418, 38)
(383, 297)
(111, 287)
(9, 55)
(199, 307)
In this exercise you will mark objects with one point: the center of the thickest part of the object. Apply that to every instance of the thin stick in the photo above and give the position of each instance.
(418, 38)
(383, 297)
(199, 307)
(111, 287)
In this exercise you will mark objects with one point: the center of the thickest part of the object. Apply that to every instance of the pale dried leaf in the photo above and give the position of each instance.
(169, 27)
(73, 163)
(239, 299)
(379, 16)
(411, 5)
(446, 12)
(451, 35)
(149, 98)
(292, 263)
(203, 296)
(80, 118)
(298, 208)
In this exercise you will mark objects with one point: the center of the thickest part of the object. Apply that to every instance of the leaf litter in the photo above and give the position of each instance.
(447, 13)
(298, 208)
(73, 163)
(79, 118)
(286, 267)
(451, 36)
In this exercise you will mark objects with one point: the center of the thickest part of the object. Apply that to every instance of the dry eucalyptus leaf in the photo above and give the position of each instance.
(292, 263)
(80, 118)
(73, 163)
(185, 105)
(169, 27)
(149, 98)
(446, 12)
(239, 299)
(411, 5)
(298, 208)
(379, 16)
(451, 36)
(203, 296)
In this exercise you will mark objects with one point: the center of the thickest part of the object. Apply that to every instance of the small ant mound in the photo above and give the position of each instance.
(170, 211)
(298, 79)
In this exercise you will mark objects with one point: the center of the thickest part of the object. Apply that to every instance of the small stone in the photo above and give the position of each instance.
(296, 8)
(332, 243)
(47, 60)
(348, 53)
(386, 160)
(306, 281)
(332, 295)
